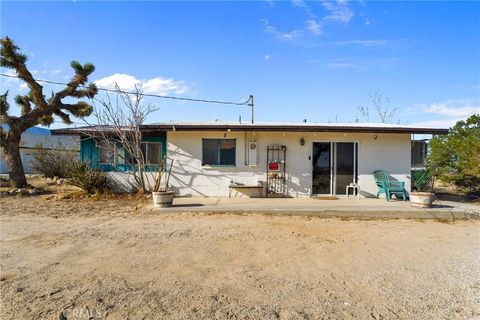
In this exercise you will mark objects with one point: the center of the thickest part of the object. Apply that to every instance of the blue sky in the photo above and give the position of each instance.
(316, 60)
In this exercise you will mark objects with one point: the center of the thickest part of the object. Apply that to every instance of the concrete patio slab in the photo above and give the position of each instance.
(344, 208)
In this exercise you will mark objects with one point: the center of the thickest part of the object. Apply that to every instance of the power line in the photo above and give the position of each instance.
(143, 94)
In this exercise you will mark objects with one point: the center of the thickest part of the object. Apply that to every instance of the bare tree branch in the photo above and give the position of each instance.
(381, 104)
(120, 121)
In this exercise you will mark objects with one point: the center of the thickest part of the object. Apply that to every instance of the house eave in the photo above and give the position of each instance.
(293, 128)
(154, 128)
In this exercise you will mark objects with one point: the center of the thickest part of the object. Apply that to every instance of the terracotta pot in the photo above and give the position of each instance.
(421, 199)
(163, 199)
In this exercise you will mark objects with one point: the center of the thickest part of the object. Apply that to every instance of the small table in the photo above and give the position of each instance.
(354, 187)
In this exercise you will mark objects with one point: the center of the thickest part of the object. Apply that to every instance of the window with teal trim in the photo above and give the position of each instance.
(152, 152)
(121, 155)
(106, 151)
(113, 156)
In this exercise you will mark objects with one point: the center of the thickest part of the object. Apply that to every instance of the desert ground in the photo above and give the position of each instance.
(106, 258)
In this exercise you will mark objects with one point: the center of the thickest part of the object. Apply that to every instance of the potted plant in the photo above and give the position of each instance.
(423, 194)
(162, 197)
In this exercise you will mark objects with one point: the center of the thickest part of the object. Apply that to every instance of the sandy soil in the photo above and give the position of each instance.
(107, 259)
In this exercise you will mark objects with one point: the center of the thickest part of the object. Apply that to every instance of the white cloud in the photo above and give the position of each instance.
(338, 11)
(313, 26)
(268, 57)
(452, 111)
(299, 3)
(157, 85)
(18, 84)
(341, 65)
(46, 72)
(448, 109)
(445, 123)
(9, 80)
(359, 64)
(363, 43)
(285, 36)
(12, 83)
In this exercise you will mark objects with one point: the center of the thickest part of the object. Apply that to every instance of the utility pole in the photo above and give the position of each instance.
(252, 107)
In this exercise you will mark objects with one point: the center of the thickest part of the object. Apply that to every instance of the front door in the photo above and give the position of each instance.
(322, 164)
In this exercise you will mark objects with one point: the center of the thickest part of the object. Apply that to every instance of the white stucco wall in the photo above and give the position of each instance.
(390, 152)
(124, 182)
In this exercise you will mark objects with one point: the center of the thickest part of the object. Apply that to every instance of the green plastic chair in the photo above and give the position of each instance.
(389, 187)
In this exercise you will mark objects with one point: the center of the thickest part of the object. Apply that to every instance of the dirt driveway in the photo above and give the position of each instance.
(66, 259)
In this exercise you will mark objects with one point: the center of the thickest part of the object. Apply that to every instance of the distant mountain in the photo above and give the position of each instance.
(39, 131)
(34, 130)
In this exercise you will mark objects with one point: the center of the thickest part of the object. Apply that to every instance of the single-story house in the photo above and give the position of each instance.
(36, 137)
(271, 159)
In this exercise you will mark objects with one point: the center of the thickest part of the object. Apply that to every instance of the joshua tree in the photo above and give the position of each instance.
(35, 107)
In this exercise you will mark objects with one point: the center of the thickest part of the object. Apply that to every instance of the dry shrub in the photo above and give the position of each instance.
(52, 162)
(82, 175)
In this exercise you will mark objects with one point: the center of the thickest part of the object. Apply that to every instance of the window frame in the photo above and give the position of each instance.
(206, 165)
(116, 149)
(146, 143)
(100, 149)
(422, 153)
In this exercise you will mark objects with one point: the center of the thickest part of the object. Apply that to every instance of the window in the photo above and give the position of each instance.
(152, 152)
(106, 151)
(218, 152)
(113, 152)
(121, 155)
(419, 153)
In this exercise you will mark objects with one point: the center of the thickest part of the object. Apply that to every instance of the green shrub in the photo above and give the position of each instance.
(92, 180)
(455, 157)
(52, 162)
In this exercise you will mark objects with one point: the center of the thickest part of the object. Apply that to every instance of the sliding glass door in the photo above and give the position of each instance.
(322, 161)
(334, 166)
(344, 165)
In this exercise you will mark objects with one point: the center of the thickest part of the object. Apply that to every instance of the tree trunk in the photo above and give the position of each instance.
(14, 163)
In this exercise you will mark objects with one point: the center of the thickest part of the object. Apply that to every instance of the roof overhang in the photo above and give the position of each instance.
(291, 128)
(165, 127)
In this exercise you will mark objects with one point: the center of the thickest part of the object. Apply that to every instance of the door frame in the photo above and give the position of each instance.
(333, 161)
(311, 168)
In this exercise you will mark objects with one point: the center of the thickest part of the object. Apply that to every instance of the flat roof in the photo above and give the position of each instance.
(266, 126)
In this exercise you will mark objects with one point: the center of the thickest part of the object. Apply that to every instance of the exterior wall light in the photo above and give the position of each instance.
(302, 141)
